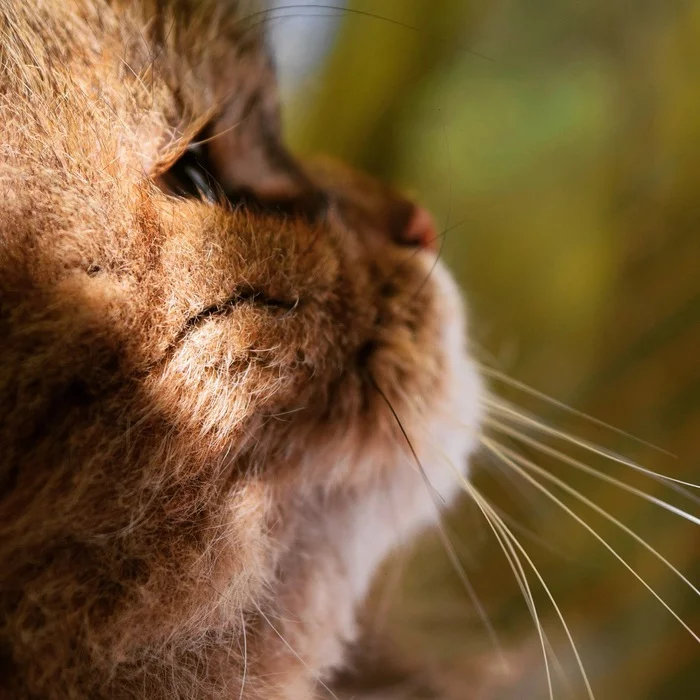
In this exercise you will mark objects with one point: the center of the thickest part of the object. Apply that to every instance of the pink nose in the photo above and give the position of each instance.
(421, 230)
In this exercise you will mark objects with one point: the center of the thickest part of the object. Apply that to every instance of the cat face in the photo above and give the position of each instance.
(215, 359)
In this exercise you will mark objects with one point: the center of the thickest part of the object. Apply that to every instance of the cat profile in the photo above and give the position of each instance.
(230, 383)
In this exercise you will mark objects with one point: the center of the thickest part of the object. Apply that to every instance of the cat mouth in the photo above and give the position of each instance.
(227, 306)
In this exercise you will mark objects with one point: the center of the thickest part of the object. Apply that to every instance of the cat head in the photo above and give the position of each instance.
(200, 334)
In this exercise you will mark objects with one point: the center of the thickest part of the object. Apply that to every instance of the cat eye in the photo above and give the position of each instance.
(198, 173)
(191, 176)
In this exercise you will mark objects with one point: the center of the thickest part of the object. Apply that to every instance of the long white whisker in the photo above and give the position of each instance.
(495, 523)
(582, 466)
(503, 408)
(520, 577)
(518, 462)
(501, 376)
(526, 532)
(580, 497)
(507, 532)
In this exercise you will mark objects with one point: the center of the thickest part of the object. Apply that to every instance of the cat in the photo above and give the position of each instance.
(231, 383)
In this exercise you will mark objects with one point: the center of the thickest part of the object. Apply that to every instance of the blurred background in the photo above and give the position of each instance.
(558, 144)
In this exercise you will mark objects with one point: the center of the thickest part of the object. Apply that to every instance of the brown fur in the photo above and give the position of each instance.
(192, 412)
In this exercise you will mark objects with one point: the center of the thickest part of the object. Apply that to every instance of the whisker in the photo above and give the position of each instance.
(291, 649)
(582, 466)
(282, 639)
(414, 454)
(245, 657)
(431, 270)
(219, 134)
(263, 16)
(417, 251)
(580, 497)
(448, 216)
(521, 579)
(495, 521)
(473, 597)
(507, 532)
(501, 376)
(518, 463)
(505, 409)
(444, 537)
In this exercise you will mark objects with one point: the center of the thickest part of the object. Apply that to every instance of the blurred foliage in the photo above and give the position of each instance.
(558, 144)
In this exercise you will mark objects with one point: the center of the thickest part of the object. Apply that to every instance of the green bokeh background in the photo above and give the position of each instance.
(558, 141)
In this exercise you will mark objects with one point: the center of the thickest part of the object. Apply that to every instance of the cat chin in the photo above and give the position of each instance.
(406, 492)
(365, 534)
(432, 460)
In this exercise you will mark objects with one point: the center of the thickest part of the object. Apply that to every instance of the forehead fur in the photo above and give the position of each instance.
(84, 80)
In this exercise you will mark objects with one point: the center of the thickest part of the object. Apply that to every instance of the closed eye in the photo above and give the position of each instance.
(195, 175)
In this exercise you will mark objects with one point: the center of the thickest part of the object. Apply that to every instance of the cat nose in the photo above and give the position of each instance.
(420, 230)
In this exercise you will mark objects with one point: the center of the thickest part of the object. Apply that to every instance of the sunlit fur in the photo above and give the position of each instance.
(193, 505)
